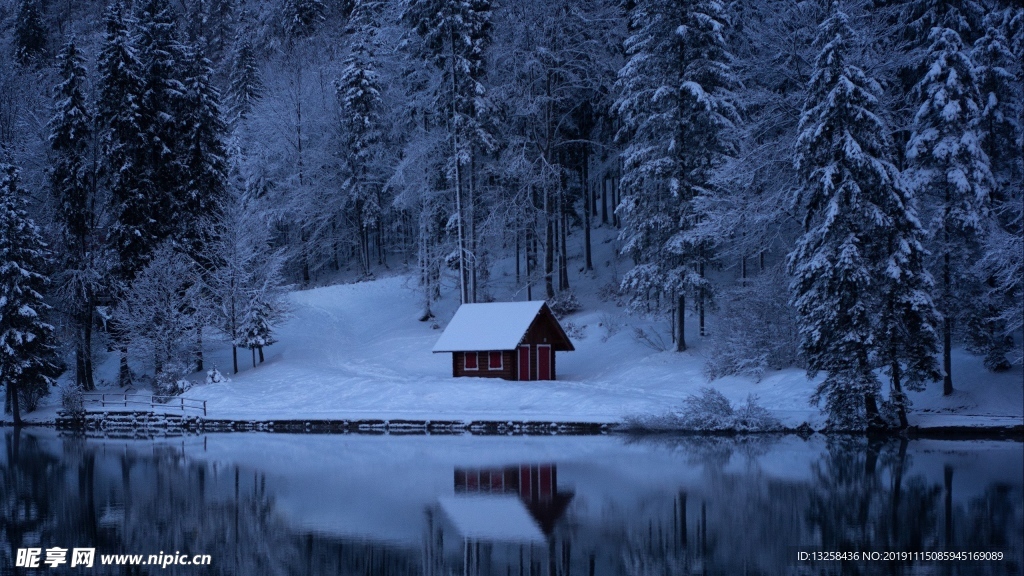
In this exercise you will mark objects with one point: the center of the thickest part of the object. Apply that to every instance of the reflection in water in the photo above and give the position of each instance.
(281, 504)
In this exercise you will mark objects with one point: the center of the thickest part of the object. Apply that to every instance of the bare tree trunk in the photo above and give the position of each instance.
(518, 272)
(702, 295)
(615, 199)
(681, 319)
(947, 326)
(901, 402)
(199, 348)
(563, 262)
(588, 263)
(531, 251)
(89, 382)
(549, 247)
(12, 402)
(472, 227)
(124, 374)
(605, 185)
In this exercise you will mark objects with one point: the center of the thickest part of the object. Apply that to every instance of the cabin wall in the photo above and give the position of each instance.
(534, 363)
(507, 371)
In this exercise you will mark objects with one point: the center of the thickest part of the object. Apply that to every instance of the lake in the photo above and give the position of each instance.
(264, 503)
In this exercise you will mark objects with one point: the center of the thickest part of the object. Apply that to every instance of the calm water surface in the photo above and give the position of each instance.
(393, 505)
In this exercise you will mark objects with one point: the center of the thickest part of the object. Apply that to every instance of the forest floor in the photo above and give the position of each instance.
(357, 351)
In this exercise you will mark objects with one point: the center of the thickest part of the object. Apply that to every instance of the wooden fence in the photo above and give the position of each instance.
(126, 400)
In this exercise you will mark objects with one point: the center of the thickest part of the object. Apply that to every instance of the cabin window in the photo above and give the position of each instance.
(471, 361)
(495, 361)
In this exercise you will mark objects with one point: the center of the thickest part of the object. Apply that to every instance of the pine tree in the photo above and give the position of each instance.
(27, 358)
(862, 247)
(73, 181)
(29, 32)
(677, 110)
(359, 94)
(999, 125)
(70, 138)
(123, 142)
(1004, 258)
(165, 178)
(245, 84)
(949, 168)
(257, 327)
(303, 17)
(202, 156)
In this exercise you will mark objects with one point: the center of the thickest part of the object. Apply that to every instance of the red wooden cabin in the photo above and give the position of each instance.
(510, 340)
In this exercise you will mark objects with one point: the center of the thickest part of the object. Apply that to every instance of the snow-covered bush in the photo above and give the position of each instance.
(757, 329)
(651, 338)
(710, 412)
(564, 304)
(31, 393)
(573, 330)
(213, 376)
(170, 380)
(72, 401)
(612, 324)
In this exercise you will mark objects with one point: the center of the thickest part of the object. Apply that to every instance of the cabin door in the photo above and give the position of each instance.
(543, 362)
(524, 363)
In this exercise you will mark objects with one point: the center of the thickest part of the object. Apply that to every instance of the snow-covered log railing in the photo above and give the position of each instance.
(126, 400)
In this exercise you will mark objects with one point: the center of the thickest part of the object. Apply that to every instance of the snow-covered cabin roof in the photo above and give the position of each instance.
(490, 326)
(492, 517)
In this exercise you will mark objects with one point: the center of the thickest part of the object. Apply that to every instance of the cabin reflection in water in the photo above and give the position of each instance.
(500, 517)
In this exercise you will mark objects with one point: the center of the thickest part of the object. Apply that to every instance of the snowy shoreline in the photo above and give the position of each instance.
(989, 430)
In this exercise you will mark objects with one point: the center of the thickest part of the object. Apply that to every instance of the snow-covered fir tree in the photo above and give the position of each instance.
(202, 154)
(28, 363)
(257, 327)
(677, 109)
(862, 250)
(359, 94)
(29, 32)
(999, 126)
(949, 169)
(245, 83)
(73, 184)
(123, 141)
(165, 175)
(302, 17)
(1004, 258)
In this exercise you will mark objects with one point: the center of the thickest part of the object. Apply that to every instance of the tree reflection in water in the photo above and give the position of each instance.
(719, 506)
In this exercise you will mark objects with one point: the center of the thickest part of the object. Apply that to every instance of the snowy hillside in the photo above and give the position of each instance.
(357, 351)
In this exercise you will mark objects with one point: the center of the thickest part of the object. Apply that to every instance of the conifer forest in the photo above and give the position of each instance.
(833, 185)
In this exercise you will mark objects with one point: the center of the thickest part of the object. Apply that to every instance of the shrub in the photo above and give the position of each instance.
(213, 376)
(169, 380)
(757, 329)
(710, 412)
(564, 304)
(31, 394)
(72, 400)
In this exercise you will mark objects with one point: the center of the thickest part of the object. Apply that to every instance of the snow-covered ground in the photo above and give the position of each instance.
(357, 351)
